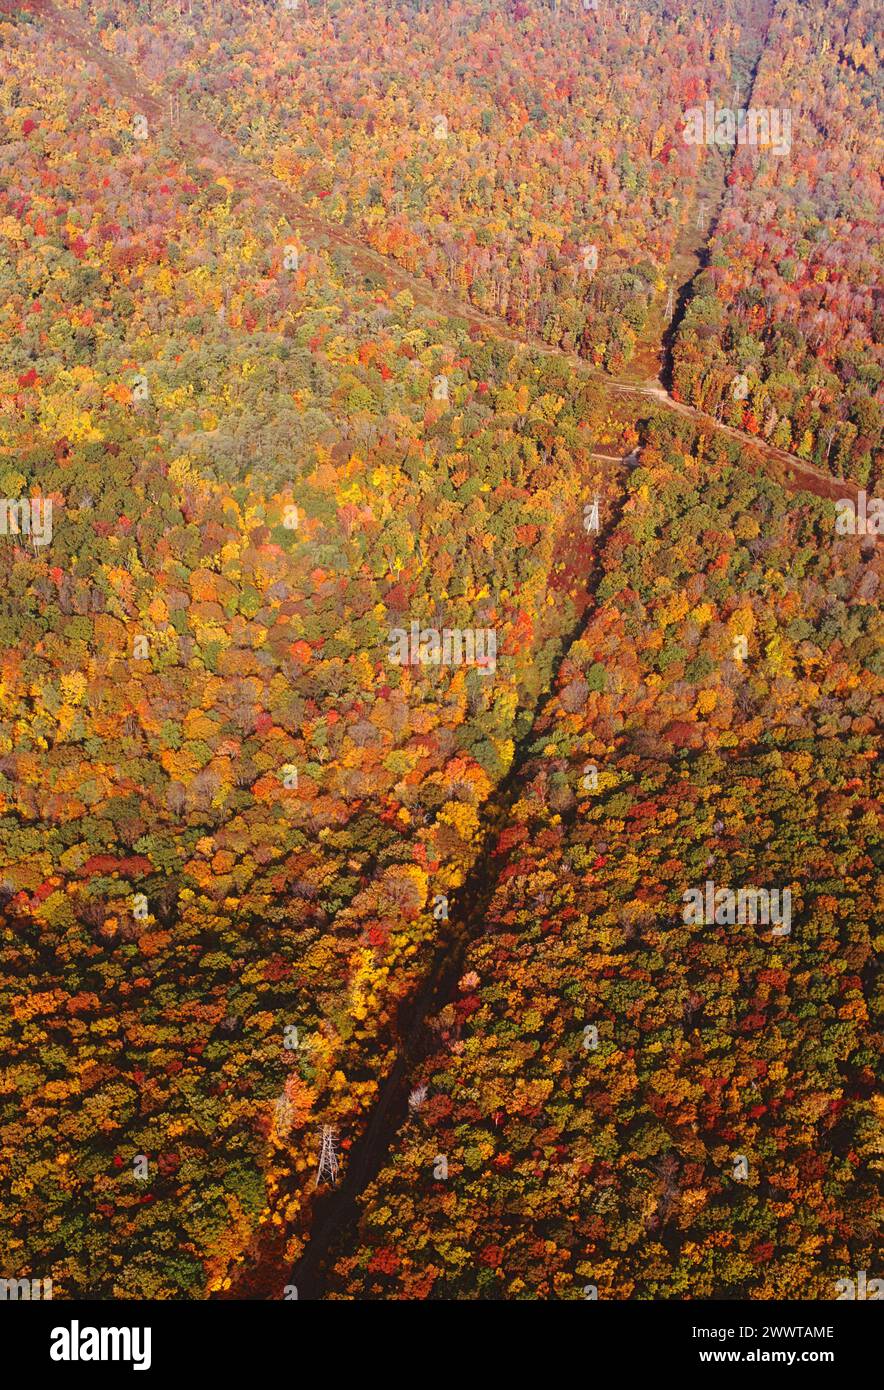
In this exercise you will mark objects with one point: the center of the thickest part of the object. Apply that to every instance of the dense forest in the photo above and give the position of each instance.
(240, 832)
(791, 300)
(225, 812)
(536, 166)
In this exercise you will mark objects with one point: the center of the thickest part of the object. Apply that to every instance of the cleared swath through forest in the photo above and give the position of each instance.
(697, 252)
(338, 1211)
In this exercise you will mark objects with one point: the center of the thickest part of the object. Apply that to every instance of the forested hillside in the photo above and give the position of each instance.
(376, 680)
(225, 812)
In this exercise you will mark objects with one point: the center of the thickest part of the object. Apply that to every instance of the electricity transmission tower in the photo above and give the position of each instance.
(328, 1159)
